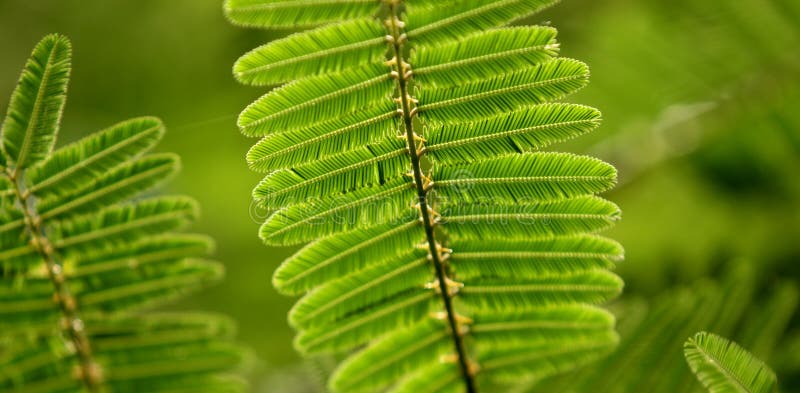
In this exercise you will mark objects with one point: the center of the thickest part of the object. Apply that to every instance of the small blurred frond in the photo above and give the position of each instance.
(723, 366)
(653, 334)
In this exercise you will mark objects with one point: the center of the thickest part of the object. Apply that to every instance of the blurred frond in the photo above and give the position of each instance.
(723, 366)
(82, 254)
(653, 334)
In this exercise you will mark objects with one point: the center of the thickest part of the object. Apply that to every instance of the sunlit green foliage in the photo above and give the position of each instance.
(699, 117)
(404, 143)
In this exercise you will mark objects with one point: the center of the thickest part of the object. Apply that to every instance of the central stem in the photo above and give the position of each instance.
(416, 147)
(88, 371)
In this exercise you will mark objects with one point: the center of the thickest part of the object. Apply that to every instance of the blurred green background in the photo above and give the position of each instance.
(701, 101)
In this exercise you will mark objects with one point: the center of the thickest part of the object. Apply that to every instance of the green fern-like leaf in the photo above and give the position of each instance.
(404, 143)
(31, 125)
(723, 366)
(653, 332)
(82, 254)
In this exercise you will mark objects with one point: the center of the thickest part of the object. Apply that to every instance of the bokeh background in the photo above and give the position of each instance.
(701, 101)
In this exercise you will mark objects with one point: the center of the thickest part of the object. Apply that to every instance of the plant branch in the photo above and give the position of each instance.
(416, 147)
(89, 372)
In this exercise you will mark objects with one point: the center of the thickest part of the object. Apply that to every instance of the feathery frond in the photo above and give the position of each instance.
(723, 366)
(81, 255)
(404, 145)
(525, 130)
(434, 21)
(302, 13)
(540, 83)
(534, 177)
(34, 113)
(483, 55)
(330, 49)
(78, 164)
(322, 140)
(653, 333)
(328, 96)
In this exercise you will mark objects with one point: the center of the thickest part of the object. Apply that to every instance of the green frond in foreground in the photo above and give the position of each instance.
(535, 177)
(83, 256)
(342, 134)
(723, 366)
(329, 49)
(448, 252)
(482, 55)
(291, 14)
(430, 22)
(540, 83)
